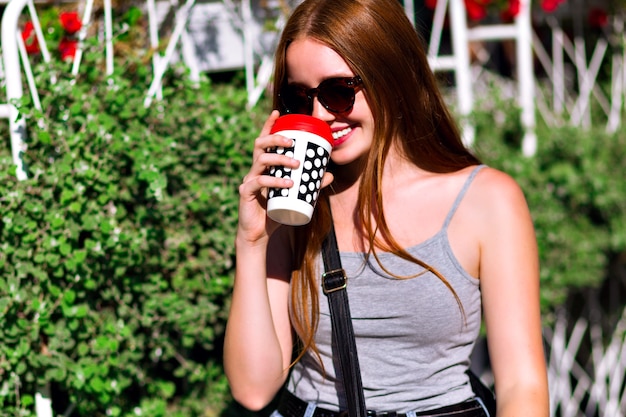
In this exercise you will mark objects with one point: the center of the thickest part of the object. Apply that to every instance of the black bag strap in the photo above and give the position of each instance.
(483, 392)
(334, 282)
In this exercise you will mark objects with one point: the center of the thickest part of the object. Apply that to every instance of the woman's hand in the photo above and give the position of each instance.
(254, 225)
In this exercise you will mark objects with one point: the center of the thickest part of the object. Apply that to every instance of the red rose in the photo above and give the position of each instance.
(70, 22)
(550, 5)
(67, 48)
(30, 38)
(598, 18)
(476, 9)
(431, 4)
(512, 11)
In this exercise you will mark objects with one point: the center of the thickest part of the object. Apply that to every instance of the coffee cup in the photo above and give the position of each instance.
(312, 145)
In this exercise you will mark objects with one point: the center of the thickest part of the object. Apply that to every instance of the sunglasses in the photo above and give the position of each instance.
(335, 94)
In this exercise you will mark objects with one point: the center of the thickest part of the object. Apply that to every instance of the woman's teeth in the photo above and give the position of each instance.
(341, 133)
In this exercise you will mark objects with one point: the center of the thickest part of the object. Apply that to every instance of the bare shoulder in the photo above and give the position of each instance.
(491, 180)
(496, 206)
(494, 191)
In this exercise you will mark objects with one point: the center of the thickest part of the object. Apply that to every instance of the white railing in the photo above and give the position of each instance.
(459, 61)
(13, 80)
(594, 386)
(571, 93)
(570, 100)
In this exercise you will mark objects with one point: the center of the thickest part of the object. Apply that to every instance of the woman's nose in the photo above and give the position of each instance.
(320, 111)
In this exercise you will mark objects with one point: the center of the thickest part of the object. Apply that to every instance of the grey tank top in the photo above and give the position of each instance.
(413, 340)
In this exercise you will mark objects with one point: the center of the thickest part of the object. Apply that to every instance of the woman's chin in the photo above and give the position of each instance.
(343, 157)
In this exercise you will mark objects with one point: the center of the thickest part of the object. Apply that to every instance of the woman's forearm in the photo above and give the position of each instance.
(255, 359)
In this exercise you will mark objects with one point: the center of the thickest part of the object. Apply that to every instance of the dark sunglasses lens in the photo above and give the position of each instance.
(295, 101)
(336, 95)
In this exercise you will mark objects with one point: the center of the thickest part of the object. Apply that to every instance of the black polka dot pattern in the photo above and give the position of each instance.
(312, 172)
(281, 171)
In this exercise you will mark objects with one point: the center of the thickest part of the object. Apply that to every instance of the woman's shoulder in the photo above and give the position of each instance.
(481, 181)
(496, 196)
(491, 183)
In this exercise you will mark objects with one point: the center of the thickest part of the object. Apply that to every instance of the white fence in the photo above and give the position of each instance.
(587, 361)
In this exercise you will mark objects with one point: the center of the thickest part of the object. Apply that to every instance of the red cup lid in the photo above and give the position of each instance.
(305, 123)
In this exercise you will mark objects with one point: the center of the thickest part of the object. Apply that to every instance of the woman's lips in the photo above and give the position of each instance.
(342, 135)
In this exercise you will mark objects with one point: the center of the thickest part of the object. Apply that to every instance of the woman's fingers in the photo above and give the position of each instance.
(264, 160)
(269, 122)
(328, 179)
(253, 190)
(254, 185)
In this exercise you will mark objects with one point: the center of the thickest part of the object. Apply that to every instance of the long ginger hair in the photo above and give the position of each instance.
(379, 44)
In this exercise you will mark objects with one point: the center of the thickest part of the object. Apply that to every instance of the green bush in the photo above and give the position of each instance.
(116, 254)
(576, 190)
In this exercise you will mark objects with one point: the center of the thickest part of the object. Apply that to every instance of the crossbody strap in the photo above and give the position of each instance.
(334, 283)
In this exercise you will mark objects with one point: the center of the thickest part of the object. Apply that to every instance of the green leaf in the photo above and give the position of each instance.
(96, 384)
(69, 297)
(80, 256)
(65, 249)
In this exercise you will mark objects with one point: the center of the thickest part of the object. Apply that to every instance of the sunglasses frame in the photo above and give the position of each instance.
(352, 83)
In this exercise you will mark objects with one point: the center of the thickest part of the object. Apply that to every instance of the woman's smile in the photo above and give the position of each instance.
(342, 135)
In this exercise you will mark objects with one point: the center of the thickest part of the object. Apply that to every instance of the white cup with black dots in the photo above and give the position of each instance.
(312, 145)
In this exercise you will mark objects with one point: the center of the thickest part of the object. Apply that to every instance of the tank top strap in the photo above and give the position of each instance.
(461, 194)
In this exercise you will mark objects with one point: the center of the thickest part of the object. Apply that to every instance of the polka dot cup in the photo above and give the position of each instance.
(312, 144)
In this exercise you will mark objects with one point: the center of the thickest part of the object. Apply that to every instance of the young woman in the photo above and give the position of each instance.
(429, 238)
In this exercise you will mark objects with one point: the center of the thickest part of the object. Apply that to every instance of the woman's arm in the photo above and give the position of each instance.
(258, 343)
(509, 276)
